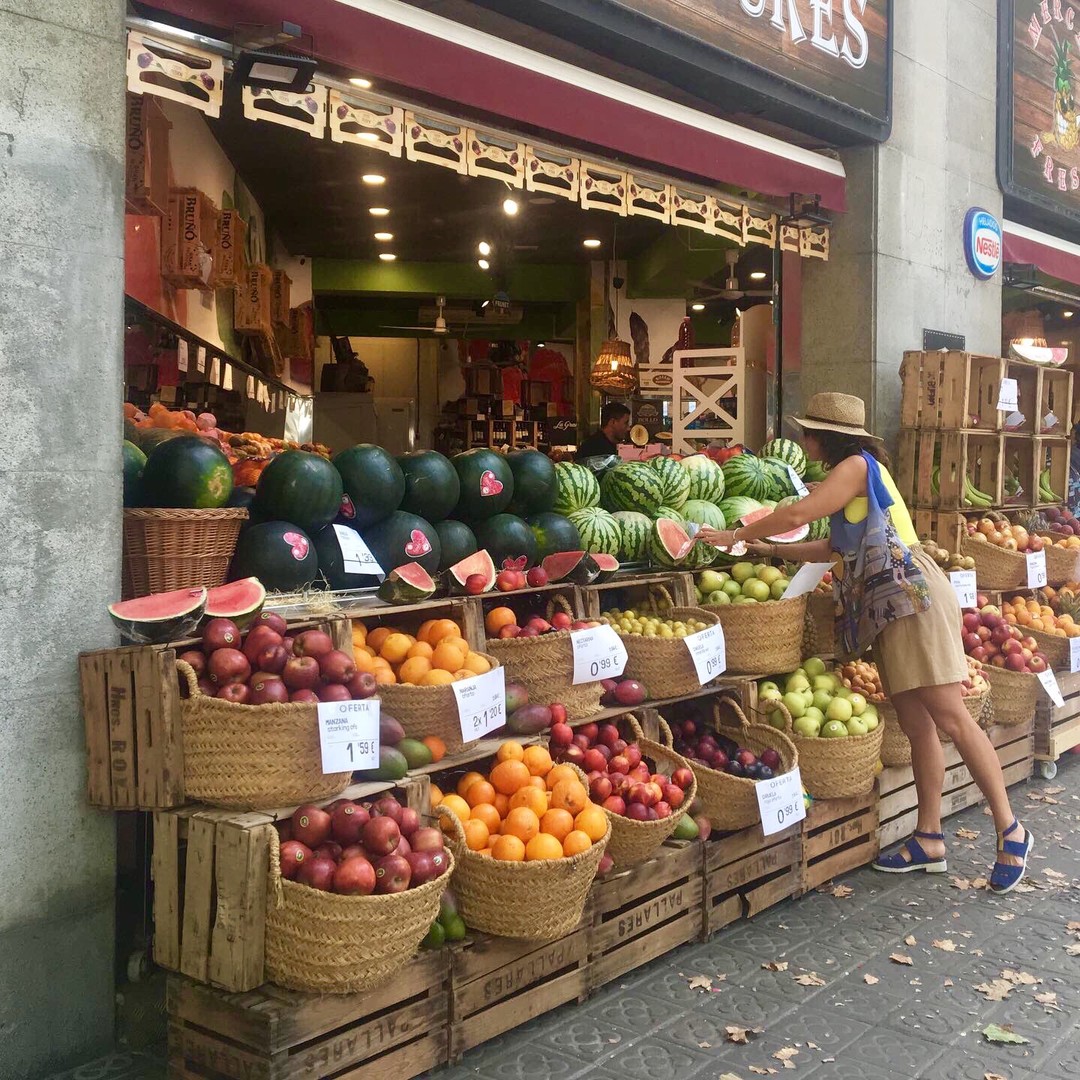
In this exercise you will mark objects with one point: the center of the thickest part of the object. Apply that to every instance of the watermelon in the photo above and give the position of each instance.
(299, 487)
(408, 584)
(577, 567)
(456, 542)
(707, 478)
(374, 482)
(780, 483)
(598, 530)
(633, 485)
(788, 451)
(279, 553)
(674, 481)
(242, 497)
(152, 438)
(506, 536)
(735, 506)
(819, 530)
(575, 488)
(670, 514)
(487, 484)
(431, 485)
(332, 563)
(792, 537)
(816, 471)
(134, 461)
(746, 475)
(668, 543)
(634, 529)
(534, 482)
(241, 601)
(479, 562)
(401, 538)
(553, 533)
(154, 620)
(608, 564)
(704, 513)
(187, 473)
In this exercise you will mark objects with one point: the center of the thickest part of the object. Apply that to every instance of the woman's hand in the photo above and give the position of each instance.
(721, 538)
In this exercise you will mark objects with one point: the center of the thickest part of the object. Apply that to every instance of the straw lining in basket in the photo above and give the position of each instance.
(762, 637)
(1013, 696)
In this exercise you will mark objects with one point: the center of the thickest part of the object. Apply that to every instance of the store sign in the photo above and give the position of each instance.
(982, 243)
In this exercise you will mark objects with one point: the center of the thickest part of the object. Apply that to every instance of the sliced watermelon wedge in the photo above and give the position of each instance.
(240, 601)
(478, 563)
(578, 567)
(406, 584)
(163, 617)
(792, 537)
(608, 565)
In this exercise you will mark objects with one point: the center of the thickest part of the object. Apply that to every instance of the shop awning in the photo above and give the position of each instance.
(390, 41)
(1054, 257)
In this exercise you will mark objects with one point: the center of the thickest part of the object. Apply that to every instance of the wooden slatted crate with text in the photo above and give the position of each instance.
(951, 390)
(1057, 729)
(838, 835)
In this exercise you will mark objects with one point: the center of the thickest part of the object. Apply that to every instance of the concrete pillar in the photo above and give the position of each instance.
(897, 264)
(61, 323)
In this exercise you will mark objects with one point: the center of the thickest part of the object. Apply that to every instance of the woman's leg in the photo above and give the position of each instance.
(928, 765)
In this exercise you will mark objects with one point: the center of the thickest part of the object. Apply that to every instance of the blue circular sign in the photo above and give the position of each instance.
(982, 243)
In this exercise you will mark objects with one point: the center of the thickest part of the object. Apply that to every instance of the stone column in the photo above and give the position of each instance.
(61, 381)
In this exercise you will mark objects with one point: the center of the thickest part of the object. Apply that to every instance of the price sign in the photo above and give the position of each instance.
(1074, 654)
(708, 650)
(1050, 685)
(481, 703)
(200, 359)
(598, 654)
(963, 581)
(800, 488)
(182, 355)
(226, 379)
(1036, 568)
(1050, 421)
(780, 801)
(349, 735)
(806, 579)
(355, 554)
(1008, 395)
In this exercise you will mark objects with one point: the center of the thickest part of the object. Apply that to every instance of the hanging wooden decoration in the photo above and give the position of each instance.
(708, 392)
(692, 209)
(436, 141)
(229, 259)
(728, 220)
(790, 239)
(366, 123)
(193, 77)
(648, 198)
(496, 157)
(603, 188)
(551, 173)
(304, 112)
(814, 242)
(759, 229)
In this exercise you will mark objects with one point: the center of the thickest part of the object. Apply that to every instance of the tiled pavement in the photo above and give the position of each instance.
(924, 1020)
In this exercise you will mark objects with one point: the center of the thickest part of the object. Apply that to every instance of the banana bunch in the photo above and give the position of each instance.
(1046, 493)
(973, 497)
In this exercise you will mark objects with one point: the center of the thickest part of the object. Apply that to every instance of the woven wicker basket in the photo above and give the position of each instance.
(427, 710)
(634, 841)
(819, 634)
(995, 568)
(664, 665)
(762, 637)
(535, 901)
(731, 801)
(178, 549)
(1013, 696)
(325, 943)
(1056, 649)
(1062, 564)
(252, 756)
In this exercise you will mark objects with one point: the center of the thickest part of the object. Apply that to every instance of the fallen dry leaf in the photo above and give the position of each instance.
(810, 978)
(948, 982)
(871, 980)
(700, 982)
(1057, 789)
(1073, 950)
(981, 883)
(705, 1045)
(967, 834)
(775, 965)
(945, 945)
(960, 883)
(785, 1054)
(842, 892)
(761, 1070)
(1006, 916)
(738, 1034)
(910, 940)
(1049, 999)
(1054, 875)
(812, 1046)
(995, 989)
(994, 1076)
(900, 958)
(999, 1033)
(1073, 927)
(1020, 978)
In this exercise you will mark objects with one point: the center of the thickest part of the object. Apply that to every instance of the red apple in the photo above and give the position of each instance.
(674, 795)
(684, 777)
(313, 643)
(237, 693)
(423, 867)
(381, 835)
(317, 872)
(409, 822)
(293, 855)
(363, 685)
(427, 838)
(310, 825)
(600, 789)
(620, 764)
(329, 849)
(301, 673)
(355, 877)
(633, 754)
(561, 735)
(392, 874)
(347, 823)
(595, 761)
(662, 809)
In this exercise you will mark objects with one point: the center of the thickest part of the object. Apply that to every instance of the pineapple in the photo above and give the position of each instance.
(1064, 99)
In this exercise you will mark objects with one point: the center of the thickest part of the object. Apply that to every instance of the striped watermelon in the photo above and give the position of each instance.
(668, 544)
(780, 483)
(788, 451)
(707, 479)
(635, 530)
(674, 481)
(633, 485)
(788, 500)
(575, 488)
(815, 472)
(704, 513)
(736, 506)
(746, 475)
(598, 530)
(670, 514)
(819, 530)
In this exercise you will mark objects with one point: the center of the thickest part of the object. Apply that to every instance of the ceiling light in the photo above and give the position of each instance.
(364, 84)
(274, 71)
(383, 237)
(484, 247)
(1067, 314)
(591, 243)
(483, 264)
(387, 256)
(368, 136)
(510, 207)
(697, 307)
(541, 345)
(758, 275)
(378, 211)
(373, 178)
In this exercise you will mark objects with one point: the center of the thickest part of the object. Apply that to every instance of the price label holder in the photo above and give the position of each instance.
(708, 650)
(200, 359)
(780, 802)
(796, 482)
(182, 355)
(1036, 569)
(1050, 685)
(598, 654)
(1074, 654)
(1014, 420)
(481, 704)
(806, 579)
(963, 581)
(349, 735)
(1008, 395)
(355, 554)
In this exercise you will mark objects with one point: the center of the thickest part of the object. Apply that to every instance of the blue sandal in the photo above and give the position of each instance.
(1006, 877)
(897, 864)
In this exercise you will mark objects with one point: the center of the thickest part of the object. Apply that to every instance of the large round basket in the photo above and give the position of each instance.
(252, 756)
(427, 710)
(178, 549)
(1013, 696)
(731, 801)
(762, 637)
(326, 943)
(1055, 649)
(634, 841)
(664, 665)
(1062, 564)
(819, 634)
(995, 568)
(536, 901)
(545, 667)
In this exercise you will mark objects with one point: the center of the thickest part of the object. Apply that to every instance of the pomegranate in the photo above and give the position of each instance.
(393, 873)
(537, 577)
(347, 823)
(196, 659)
(228, 666)
(333, 692)
(389, 807)
(293, 854)
(336, 667)
(238, 693)
(305, 697)
(354, 876)
(272, 659)
(426, 838)
(272, 620)
(362, 685)
(313, 643)
(267, 689)
(220, 634)
(422, 865)
(311, 825)
(318, 872)
(381, 835)
(301, 673)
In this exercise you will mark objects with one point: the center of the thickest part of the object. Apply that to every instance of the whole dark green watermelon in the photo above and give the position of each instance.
(134, 462)
(373, 480)
(187, 472)
(534, 482)
(431, 484)
(403, 538)
(506, 536)
(332, 564)
(553, 533)
(456, 540)
(279, 554)
(487, 484)
(299, 487)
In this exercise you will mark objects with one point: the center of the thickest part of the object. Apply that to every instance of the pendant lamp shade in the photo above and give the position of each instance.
(614, 372)
(1025, 328)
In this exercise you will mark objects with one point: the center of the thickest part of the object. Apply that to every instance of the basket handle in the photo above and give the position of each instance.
(458, 833)
(789, 730)
(187, 673)
(736, 708)
(559, 603)
(667, 740)
(275, 863)
(662, 591)
(634, 726)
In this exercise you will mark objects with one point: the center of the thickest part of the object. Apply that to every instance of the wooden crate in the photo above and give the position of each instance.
(1054, 454)
(1058, 729)
(645, 911)
(230, 262)
(944, 527)
(1019, 460)
(146, 172)
(747, 872)
(393, 1032)
(1027, 396)
(251, 311)
(192, 223)
(838, 835)
(496, 983)
(1055, 400)
(280, 292)
(975, 455)
(951, 390)
(898, 802)
(633, 589)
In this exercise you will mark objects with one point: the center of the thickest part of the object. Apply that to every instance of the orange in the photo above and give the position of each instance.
(486, 813)
(370, 651)
(476, 663)
(359, 633)
(362, 658)
(485, 853)
(508, 776)
(529, 797)
(497, 618)
(502, 804)
(412, 671)
(557, 823)
(537, 782)
(522, 823)
(396, 647)
(479, 792)
(467, 781)
(422, 633)
(510, 751)
(476, 834)
(436, 746)
(508, 849)
(384, 676)
(447, 657)
(421, 648)
(464, 673)
(575, 843)
(458, 643)
(592, 821)
(458, 806)
(440, 629)
(435, 796)
(538, 760)
(542, 846)
(569, 795)
(435, 677)
(377, 636)
(559, 772)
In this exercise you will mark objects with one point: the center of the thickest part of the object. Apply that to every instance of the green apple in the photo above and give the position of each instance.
(814, 713)
(740, 599)
(795, 704)
(741, 571)
(834, 729)
(824, 682)
(798, 682)
(814, 666)
(778, 588)
(808, 727)
(769, 574)
(778, 720)
(870, 713)
(732, 588)
(718, 596)
(858, 704)
(822, 700)
(870, 722)
(839, 709)
(844, 691)
(771, 694)
(856, 727)
(808, 697)
(768, 684)
(756, 590)
(710, 581)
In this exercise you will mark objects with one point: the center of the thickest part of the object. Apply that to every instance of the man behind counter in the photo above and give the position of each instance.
(614, 425)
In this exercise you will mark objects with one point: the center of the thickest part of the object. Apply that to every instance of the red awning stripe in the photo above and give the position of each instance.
(1058, 258)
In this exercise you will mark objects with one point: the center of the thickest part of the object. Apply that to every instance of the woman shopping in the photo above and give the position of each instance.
(890, 594)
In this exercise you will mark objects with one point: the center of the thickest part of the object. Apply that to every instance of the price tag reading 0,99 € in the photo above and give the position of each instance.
(1036, 569)
(481, 703)
(708, 650)
(349, 735)
(598, 654)
(780, 801)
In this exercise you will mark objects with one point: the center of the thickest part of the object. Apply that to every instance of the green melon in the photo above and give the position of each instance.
(456, 542)
(674, 481)
(299, 487)
(401, 538)
(634, 529)
(780, 483)
(534, 482)
(788, 451)
(487, 484)
(816, 471)
(279, 554)
(819, 529)
(575, 488)
(633, 485)
(431, 485)
(736, 506)
(745, 474)
(506, 536)
(553, 533)
(670, 514)
(598, 530)
(707, 479)
(668, 543)
(134, 461)
(373, 482)
(151, 438)
(187, 473)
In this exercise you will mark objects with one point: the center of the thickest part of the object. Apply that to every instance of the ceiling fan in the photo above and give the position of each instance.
(731, 289)
(440, 325)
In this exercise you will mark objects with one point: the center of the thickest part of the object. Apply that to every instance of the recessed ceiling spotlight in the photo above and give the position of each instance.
(373, 178)
(364, 84)
(510, 207)
(483, 264)
(378, 211)
(1067, 314)
(484, 247)
(541, 344)
(697, 307)
(591, 243)
(758, 275)
(383, 237)
(387, 256)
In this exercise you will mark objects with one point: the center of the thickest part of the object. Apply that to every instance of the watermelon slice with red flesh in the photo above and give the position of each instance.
(480, 563)
(154, 620)
(608, 565)
(241, 601)
(675, 541)
(793, 537)
(578, 567)
(408, 584)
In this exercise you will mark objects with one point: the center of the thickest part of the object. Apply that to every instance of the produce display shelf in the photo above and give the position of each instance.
(838, 835)
(1057, 728)
(742, 687)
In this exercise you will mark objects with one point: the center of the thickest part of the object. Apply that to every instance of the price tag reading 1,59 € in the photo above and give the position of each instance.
(1050, 685)
(708, 650)
(963, 581)
(481, 704)
(1036, 568)
(780, 801)
(349, 735)
(598, 654)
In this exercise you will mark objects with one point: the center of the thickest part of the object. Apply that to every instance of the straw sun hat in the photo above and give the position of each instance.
(844, 413)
